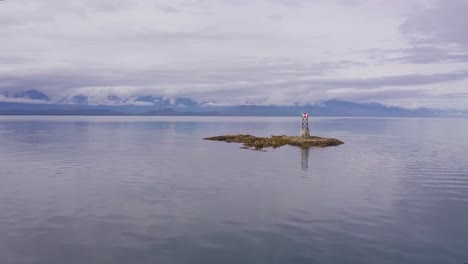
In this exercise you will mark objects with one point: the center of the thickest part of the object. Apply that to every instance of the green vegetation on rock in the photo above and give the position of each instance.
(250, 141)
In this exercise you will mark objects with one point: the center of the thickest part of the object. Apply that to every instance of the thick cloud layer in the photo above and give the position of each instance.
(406, 52)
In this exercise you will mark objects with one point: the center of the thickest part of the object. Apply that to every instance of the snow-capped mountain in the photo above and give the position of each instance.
(28, 94)
(115, 100)
(37, 102)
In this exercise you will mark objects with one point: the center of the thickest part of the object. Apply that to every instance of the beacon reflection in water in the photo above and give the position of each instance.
(305, 158)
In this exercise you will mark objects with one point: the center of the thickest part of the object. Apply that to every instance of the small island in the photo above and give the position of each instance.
(305, 140)
(259, 143)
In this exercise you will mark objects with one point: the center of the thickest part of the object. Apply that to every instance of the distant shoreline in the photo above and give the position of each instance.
(165, 112)
(223, 115)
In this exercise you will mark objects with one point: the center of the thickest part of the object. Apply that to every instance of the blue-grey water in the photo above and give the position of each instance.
(150, 190)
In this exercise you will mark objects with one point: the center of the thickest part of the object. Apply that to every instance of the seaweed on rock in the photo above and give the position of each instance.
(250, 141)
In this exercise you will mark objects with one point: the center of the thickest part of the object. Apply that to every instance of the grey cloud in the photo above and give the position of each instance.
(276, 17)
(419, 54)
(411, 79)
(168, 8)
(351, 2)
(377, 82)
(436, 33)
(378, 95)
(246, 70)
(292, 3)
(443, 23)
(429, 54)
(240, 77)
(278, 51)
(451, 96)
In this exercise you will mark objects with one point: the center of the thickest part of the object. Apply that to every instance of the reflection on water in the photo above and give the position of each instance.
(305, 158)
(150, 190)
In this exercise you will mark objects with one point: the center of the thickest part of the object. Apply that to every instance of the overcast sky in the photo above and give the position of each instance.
(409, 53)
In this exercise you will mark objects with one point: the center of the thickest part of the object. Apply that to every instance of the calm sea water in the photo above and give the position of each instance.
(150, 190)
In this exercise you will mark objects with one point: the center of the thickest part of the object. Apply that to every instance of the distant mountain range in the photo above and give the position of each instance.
(33, 102)
(29, 94)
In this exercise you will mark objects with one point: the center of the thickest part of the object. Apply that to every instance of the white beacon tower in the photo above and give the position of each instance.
(305, 125)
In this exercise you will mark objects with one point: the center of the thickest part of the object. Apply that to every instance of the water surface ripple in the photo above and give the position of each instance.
(149, 190)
